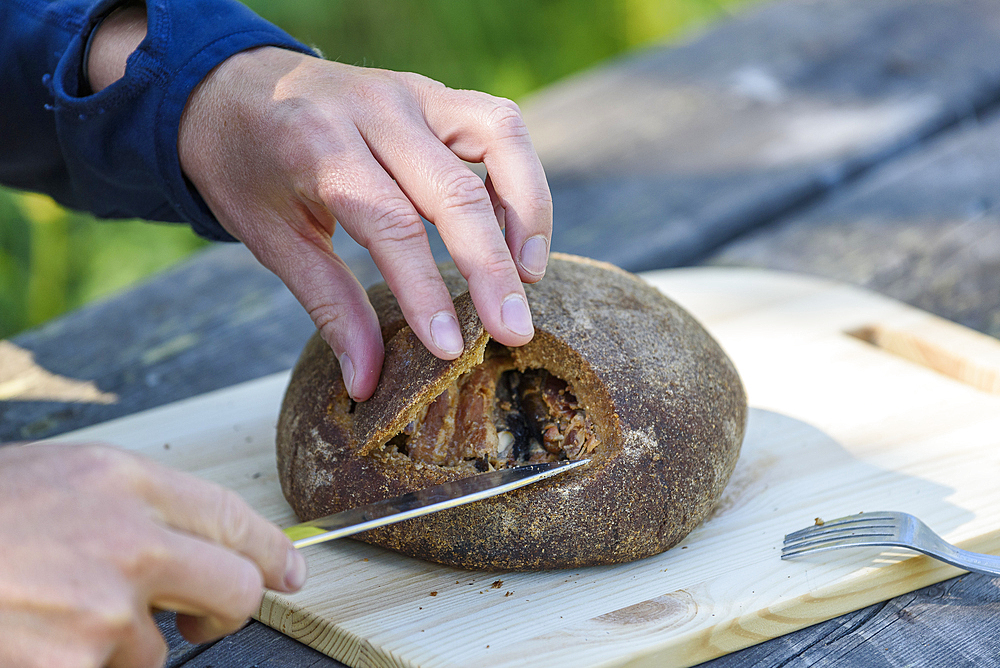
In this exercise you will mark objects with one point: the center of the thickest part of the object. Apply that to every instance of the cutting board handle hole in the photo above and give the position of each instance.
(959, 353)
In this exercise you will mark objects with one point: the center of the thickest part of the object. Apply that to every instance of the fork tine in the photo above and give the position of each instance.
(835, 543)
(854, 528)
(838, 536)
(851, 520)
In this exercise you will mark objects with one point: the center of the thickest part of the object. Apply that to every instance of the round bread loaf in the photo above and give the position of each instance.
(616, 372)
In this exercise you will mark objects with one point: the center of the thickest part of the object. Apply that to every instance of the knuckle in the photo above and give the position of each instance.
(331, 188)
(330, 319)
(396, 222)
(539, 200)
(505, 121)
(377, 92)
(509, 104)
(497, 262)
(461, 189)
(140, 553)
(419, 80)
(69, 657)
(372, 86)
(343, 187)
(111, 466)
(309, 151)
(109, 618)
(99, 454)
(249, 591)
(241, 596)
(152, 557)
(337, 320)
(234, 518)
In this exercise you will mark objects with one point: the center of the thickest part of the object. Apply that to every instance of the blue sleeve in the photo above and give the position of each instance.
(114, 153)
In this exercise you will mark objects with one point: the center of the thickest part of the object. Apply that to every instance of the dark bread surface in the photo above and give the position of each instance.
(667, 402)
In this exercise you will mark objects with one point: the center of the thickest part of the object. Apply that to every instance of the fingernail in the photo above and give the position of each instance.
(295, 570)
(534, 254)
(446, 333)
(515, 315)
(347, 368)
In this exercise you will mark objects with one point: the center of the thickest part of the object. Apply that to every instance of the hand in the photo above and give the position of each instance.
(92, 537)
(282, 146)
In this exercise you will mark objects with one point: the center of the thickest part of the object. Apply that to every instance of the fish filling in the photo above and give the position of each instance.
(495, 416)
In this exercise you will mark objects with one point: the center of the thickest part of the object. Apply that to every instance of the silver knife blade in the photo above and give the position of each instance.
(424, 501)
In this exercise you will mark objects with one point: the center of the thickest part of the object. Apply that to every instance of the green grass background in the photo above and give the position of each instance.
(53, 260)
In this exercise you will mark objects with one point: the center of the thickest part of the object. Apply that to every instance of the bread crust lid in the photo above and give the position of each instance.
(412, 377)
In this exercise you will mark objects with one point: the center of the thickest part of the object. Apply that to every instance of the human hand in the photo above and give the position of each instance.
(283, 146)
(92, 537)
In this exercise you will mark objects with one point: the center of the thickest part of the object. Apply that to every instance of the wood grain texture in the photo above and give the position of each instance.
(962, 354)
(839, 426)
(953, 623)
(924, 229)
(246, 649)
(680, 149)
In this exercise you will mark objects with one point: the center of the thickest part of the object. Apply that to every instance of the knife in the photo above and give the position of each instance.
(424, 501)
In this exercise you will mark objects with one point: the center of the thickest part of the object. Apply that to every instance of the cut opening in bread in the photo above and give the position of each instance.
(497, 416)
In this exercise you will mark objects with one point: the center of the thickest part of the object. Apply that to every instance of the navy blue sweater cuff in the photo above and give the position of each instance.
(120, 145)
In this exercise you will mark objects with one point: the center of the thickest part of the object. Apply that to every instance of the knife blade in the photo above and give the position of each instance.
(424, 501)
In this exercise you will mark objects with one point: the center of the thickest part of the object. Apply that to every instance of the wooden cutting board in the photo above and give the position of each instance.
(859, 403)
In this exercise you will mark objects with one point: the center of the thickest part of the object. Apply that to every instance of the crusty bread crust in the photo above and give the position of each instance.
(666, 401)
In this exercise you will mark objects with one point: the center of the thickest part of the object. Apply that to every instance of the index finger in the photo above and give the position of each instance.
(479, 127)
(220, 515)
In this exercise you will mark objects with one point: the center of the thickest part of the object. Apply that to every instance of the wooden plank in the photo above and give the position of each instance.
(247, 647)
(857, 429)
(924, 229)
(214, 321)
(679, 149)
(953, 623)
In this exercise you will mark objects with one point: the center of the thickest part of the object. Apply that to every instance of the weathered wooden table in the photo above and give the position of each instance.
(854, 139)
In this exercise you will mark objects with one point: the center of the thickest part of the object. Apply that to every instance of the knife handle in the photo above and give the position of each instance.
(300, 531)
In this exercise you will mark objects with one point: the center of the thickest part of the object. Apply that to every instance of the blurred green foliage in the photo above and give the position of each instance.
(52, 260)
(507, 47)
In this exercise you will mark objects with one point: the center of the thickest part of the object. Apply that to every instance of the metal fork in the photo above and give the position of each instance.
(890, 529)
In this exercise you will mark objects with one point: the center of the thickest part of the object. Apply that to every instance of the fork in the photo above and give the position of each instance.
(886, 528)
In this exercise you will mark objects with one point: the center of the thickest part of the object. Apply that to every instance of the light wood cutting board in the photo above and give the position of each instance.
(859, 404)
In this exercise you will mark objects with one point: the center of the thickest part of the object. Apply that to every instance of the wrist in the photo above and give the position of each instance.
(111, 43)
